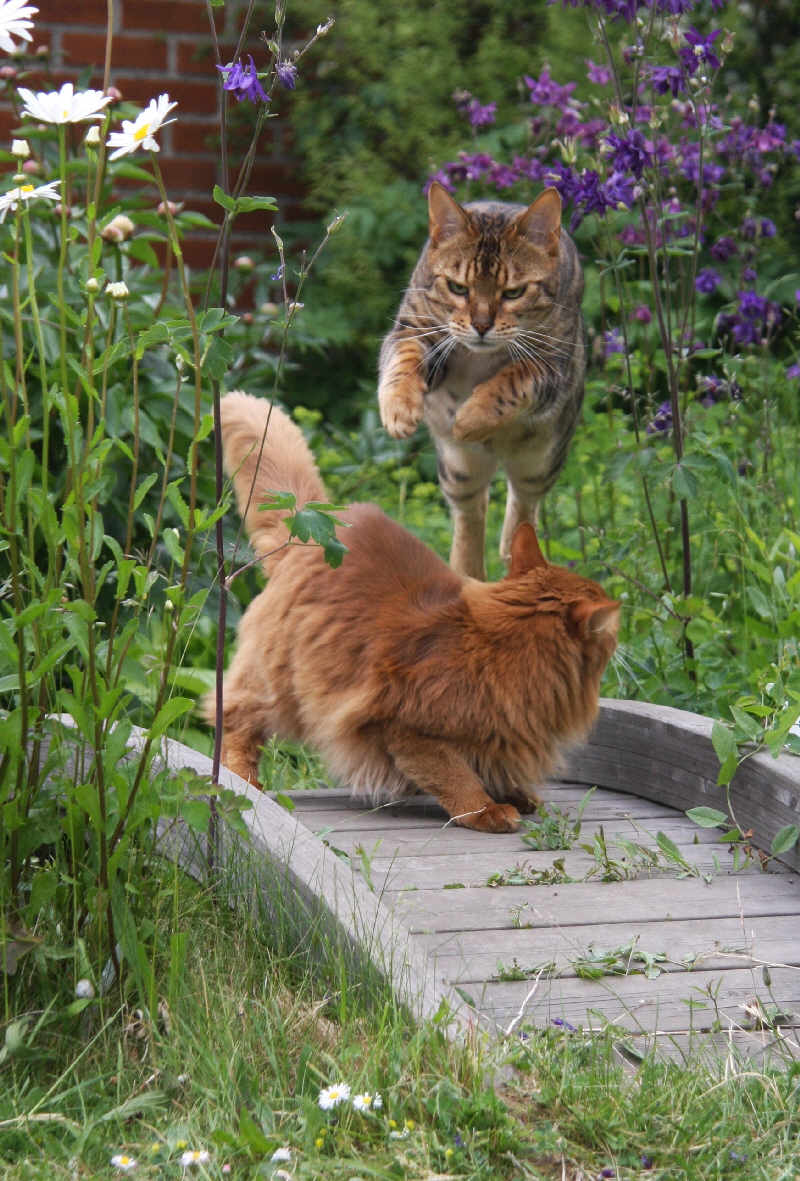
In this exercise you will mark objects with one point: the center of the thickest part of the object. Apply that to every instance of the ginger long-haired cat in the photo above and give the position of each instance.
(488, 348)
(405, 675)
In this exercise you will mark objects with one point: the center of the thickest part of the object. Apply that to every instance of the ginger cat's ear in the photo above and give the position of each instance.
(525, 552)
(445, 216)
(541, 221)
(596, 619)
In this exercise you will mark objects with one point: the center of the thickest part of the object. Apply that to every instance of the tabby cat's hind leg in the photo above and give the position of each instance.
(518, 509)
(465, 473)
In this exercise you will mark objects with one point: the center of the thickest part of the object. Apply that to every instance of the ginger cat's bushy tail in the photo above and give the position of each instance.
(262, 459)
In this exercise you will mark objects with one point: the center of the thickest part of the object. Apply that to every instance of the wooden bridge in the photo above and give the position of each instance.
(659, 929)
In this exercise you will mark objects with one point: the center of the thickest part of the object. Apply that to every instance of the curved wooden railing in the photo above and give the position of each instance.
(666, 755)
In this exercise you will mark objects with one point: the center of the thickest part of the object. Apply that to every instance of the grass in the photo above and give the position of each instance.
(256, 1017)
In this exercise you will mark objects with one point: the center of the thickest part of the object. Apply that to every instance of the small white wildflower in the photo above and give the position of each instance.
(84, 990)
(20, 148)
(14, 20)
(125, 1164)
(92, 286)
(139, 133)
(117, 291)
(365, 1101)
(330, 1097)
(92, 137)
(400, 1135)
(26, 193)
(64, 105)
(281, 1154)
(189, 1159)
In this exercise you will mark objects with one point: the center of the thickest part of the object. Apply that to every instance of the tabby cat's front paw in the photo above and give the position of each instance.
(472, 424)
(402, 407)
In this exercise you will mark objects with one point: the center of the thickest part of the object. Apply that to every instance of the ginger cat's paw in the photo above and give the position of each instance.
(524, 801)
(492, 818)
(402, 407)
(472, 423)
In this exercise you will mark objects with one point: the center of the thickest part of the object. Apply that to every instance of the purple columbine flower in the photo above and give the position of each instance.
(459, 1143)
(675, 7)
(548, 93)
(723, 248)
(443, 178)
(713, 389)
(561, 1023)
(479, 115)
(661, 422)
(287, 75)
(632, 235)
(502, 176)
(740, 1157)
(619, 191)
(666, 78)
(601, 75)
(613, 342)
(702, 50)
(793, 372)
(707, 281)
(633, 153)
(647, 1161)
(768, 229)
(749, 228)
(749, 275)
(642, 314)
(608, 1171)
(243, 82)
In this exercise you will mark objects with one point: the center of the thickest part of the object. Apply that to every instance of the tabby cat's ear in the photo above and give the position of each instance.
(595, 619)
(525, 552)
(445, 216)
(541, 221)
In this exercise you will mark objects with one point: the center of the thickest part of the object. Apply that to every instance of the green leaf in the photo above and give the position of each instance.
(218, 358)
(748, 724)
(707, 817)
(727, 770)
(173, 709)
(784, 840)
(619, 461)
(723, 740)
(252, 204)
(196, 813)
(224, 200)
(285, 801)
(252, 1135)
(685, 483)
(278, 501)
(669, 848)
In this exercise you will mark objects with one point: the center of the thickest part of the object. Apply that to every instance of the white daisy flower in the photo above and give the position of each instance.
(84, 990)
(332, 1096)
(189, 1159)
(366, 1101)
(281, 1154)
(117, 291)
(14, 21)
(26, 193)
(140, 132)
(125, 1164)
(64, 105)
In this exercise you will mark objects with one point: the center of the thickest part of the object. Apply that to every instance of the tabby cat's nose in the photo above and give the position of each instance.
(481, 329)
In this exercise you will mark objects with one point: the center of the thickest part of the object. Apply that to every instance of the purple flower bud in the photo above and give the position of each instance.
(459, 1143)
(661, 422)
(793, 372)
(723, 248)
(613, 342)
(287, 75)
(749, 275)
(642, 313)
(768, 229)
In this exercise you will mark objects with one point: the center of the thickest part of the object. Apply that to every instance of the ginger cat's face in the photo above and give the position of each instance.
(493, 271)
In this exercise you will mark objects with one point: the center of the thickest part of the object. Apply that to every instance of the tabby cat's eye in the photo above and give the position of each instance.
(457, 288)
(514, 292)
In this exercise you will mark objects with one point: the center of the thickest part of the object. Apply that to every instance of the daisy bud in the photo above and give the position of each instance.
(92, 286)
(32, 168)
(84, 990)
(119, 229)
(727, 44)
(173, 208)
(117, 291)
(7, 73)
(271, 309)
(247, 318)
(43, 51)
(114, 94)
(92, 137)
(244, 263)
(20, 148)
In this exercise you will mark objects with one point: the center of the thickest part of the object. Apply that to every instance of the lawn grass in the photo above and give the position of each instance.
(256, 1020)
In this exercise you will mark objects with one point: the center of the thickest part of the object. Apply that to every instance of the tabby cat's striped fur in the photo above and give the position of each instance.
(488, 348)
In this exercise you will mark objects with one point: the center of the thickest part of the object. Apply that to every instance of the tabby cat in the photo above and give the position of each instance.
(404, 674)
(488, 347)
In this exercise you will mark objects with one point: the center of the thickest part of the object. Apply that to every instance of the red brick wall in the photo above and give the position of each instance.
(164, 45)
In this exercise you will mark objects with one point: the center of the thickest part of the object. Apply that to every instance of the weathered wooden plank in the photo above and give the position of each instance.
(588, 903)
(633, 1004)
(474, 956)
(400, 871)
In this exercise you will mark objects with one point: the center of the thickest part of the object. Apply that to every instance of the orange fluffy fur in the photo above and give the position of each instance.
(405, 675)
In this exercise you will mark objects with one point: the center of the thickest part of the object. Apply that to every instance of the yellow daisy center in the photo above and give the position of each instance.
(142, 133)
(26, 189)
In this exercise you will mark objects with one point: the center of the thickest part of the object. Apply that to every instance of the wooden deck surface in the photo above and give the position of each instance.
(488, 945)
